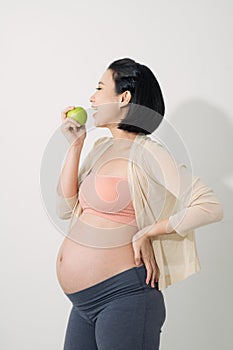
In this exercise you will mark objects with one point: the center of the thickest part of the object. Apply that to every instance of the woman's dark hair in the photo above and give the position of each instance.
(145, 91)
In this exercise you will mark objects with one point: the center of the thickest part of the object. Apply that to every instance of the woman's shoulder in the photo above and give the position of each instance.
(101, 140)
(154, 146)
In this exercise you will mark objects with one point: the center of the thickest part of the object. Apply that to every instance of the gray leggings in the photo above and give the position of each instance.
(119, 313)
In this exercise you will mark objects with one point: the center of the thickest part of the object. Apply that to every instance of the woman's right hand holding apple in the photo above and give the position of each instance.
(72, 130)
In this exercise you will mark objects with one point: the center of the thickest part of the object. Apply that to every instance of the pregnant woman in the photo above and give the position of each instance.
(110, 265)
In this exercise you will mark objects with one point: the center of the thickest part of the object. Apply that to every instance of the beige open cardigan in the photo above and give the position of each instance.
(160, 189)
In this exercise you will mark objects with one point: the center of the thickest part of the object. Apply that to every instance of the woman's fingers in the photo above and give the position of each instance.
(148, 257)
(149, 271)
(143, 250)
(72, 130)
(72, 123)
(137, 255)
(154, 269)
(153, 278)
(63, 114)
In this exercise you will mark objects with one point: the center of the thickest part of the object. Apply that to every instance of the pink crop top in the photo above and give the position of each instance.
(107, 196)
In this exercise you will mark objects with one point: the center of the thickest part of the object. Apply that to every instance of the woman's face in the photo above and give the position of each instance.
(106, 101)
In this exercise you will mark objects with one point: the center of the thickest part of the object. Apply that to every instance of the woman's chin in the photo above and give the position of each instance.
(98, 124)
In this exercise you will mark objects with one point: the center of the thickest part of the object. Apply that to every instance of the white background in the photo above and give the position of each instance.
(52, 55)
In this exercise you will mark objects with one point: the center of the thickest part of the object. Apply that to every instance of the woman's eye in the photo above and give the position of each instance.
(98, 88)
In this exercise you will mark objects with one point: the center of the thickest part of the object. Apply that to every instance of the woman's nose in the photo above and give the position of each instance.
(92, 98)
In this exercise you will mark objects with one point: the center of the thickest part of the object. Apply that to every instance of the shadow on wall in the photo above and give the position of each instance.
(207, 133)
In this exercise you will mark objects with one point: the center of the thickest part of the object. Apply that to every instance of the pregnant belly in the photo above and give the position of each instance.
(83, 260)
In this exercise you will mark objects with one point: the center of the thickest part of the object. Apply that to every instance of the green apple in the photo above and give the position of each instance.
(78, 114)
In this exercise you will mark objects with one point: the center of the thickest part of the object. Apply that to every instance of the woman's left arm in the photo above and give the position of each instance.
(196, 203)
(202, 211)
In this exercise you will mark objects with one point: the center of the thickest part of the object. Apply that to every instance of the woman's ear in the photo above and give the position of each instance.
(125, 98)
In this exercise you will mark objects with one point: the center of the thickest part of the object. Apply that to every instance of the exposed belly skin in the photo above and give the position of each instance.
(80, 265)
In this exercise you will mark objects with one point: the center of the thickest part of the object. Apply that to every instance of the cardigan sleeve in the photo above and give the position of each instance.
(65, 205)
(196, 203)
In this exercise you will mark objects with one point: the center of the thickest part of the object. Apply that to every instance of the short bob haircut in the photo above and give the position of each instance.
(137, 78)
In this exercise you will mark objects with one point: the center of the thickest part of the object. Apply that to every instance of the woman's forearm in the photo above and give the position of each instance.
(160, 228)
(153, 230)
(68, 182)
